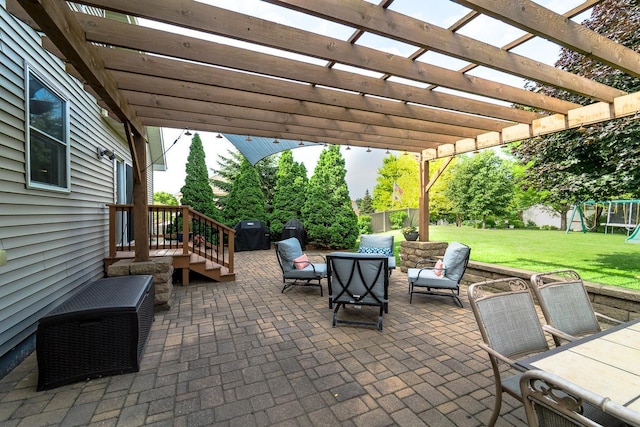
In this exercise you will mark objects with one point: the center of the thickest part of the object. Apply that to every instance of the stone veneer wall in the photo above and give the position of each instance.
(613, 301)
(160, 268)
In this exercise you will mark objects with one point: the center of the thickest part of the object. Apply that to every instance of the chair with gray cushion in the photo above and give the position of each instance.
(378, 244)
(510, 329)
(286, 252)
(551, 401)
(358, 280)
(424, 280)
(565, 305)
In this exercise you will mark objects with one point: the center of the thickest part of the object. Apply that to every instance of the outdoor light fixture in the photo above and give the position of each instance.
(301, 144)
(219, 135)
(581, 129)
(106, 152)
(325, 144)
(348, 148)
(187, 132)
(275, 141)
(387, 152)
(368, 149)
(248, 138)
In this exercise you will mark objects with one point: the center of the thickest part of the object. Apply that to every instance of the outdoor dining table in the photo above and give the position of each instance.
(606, 363)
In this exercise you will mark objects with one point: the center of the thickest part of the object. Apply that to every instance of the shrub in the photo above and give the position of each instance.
(364, 224)
(397, 219)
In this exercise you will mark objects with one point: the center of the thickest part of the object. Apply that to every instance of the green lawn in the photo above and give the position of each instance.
(597, 257)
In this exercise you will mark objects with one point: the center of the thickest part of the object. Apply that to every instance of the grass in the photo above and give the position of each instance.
(597, 257)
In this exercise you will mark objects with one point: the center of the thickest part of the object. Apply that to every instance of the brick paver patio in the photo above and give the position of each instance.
(244, 354)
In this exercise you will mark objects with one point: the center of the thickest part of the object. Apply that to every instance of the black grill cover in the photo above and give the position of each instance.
(294, 228)
(251, 236)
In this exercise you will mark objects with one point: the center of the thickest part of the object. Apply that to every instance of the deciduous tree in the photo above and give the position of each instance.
(404, 172)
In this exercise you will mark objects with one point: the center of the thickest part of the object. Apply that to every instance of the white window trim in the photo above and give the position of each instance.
(31, 71)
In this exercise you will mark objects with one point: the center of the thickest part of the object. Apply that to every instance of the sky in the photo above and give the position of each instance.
(362, 166)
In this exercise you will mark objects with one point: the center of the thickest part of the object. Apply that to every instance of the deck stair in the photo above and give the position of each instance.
(206, 250)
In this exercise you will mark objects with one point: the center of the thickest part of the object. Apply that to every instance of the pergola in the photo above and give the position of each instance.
(289, 83)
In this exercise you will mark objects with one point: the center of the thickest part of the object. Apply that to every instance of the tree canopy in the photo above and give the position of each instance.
(481, 185)
(397, 184)
(164, 198)
(596, 161)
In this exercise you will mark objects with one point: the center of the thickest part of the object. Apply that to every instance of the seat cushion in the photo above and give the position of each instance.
(312, 271)
(427, 277)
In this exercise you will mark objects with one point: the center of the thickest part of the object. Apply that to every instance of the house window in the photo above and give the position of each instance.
(47, 140)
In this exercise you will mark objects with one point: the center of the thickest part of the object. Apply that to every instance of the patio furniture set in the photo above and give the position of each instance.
(590, 378)
(362, 278)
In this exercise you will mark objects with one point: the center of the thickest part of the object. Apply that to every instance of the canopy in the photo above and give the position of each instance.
(257, 148)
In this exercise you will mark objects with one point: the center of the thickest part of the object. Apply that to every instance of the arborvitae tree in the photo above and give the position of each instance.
(365, 205)
(229, 169)
(196, 191)
(327, 212)
(289, 196)
(246, 199)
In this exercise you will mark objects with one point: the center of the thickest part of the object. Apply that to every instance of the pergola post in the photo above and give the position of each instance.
(140, 199)
(423, 219)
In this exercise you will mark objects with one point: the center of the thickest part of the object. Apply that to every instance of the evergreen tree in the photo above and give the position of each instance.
(290, 192)
(365, 205)
(327, 212)
(196, 191)
(246, 199)
(229, 169)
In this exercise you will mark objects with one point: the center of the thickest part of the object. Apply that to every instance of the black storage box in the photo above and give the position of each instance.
(101, 330)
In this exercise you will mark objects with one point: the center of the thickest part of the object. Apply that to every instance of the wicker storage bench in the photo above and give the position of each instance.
(101, 330)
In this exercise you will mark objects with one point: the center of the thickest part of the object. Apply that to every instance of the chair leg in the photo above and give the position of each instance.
(410, 292)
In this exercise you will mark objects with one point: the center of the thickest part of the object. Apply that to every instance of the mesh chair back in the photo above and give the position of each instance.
(508, 321)
(565, 302)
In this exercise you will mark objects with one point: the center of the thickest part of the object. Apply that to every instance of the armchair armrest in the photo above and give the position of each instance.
(425, 261)
(608, 319)
(322, 258)
(500, 356)
(558, 333)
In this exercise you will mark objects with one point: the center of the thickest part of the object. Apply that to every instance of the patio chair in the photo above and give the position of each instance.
(510, 329)
(565, 305)
(378, 244)
(551, 401)
(358, 280)
(297, 270)
(443, 278)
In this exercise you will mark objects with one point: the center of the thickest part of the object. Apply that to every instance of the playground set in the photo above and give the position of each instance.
(624, 214)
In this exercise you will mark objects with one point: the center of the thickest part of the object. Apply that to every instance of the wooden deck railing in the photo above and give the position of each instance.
(168, 229)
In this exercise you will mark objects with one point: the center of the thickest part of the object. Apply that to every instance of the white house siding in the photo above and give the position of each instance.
(55, 241)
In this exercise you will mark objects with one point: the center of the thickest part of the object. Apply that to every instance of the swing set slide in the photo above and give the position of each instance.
(635, 236)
